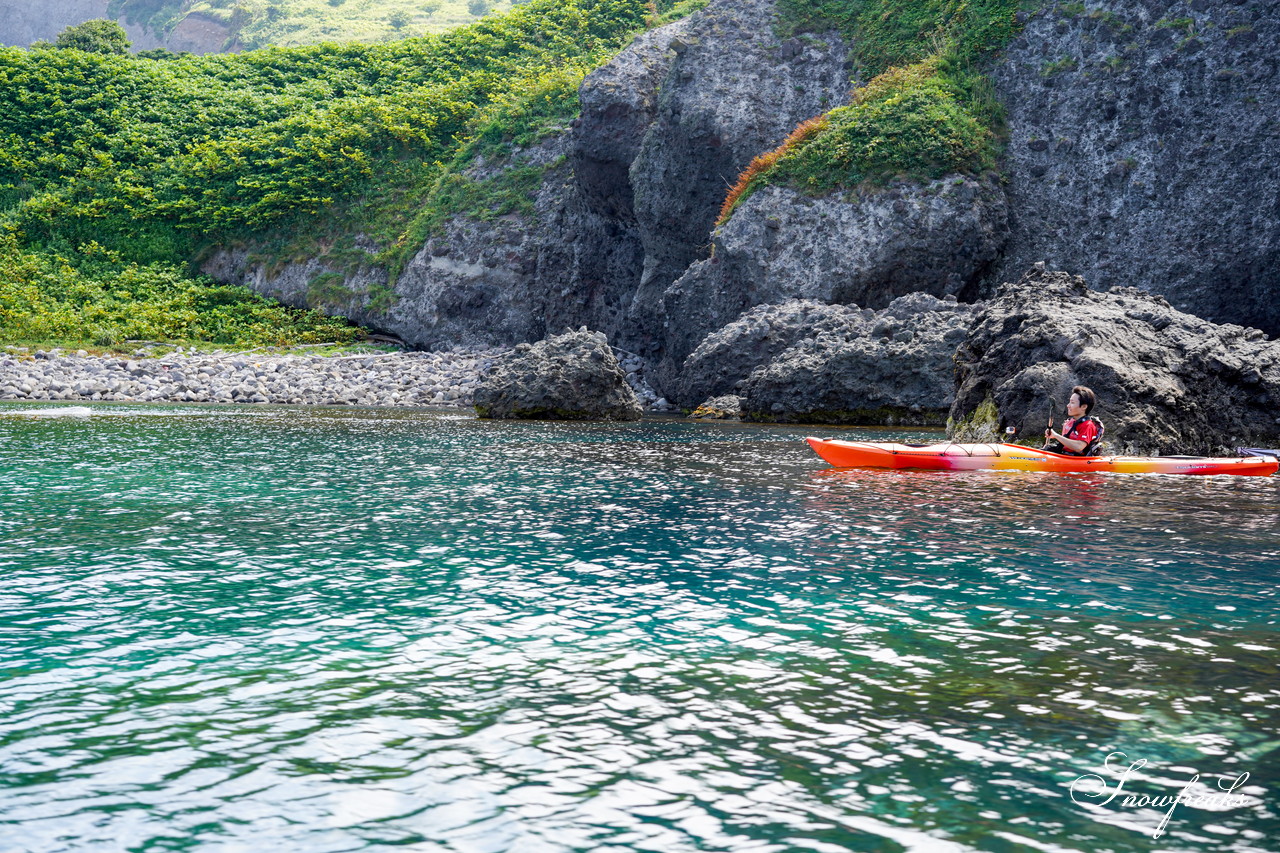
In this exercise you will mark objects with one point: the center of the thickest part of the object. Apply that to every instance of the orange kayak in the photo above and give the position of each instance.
(1014, 457)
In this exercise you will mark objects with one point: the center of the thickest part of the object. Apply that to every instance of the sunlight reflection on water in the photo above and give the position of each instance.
(332, 630)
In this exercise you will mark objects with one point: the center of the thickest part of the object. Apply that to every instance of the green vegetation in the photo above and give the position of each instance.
(126, 168)
(982, 426)
(926, 111)
(96, 299)
(97, 36)
(1187, 25)
(888, 33)
(909, 120)
(1066, 63)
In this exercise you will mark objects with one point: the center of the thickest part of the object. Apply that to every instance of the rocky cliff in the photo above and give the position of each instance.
(627, 201)
(1142, 152)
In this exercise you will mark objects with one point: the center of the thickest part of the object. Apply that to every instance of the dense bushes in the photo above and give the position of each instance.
(150, 160)
(94, 298)
(215, 146)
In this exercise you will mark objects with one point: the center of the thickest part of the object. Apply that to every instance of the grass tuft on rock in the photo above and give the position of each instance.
(925, 112)
(908, 122)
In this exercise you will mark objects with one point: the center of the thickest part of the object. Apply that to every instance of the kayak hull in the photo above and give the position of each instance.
(1014, 457)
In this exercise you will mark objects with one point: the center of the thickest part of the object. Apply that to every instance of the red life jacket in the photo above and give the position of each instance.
(1092, 438)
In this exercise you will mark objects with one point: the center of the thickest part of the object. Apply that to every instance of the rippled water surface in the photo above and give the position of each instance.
(285, 630)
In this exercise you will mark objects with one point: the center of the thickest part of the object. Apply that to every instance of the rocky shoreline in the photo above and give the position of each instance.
(375, 379)
(395, 379)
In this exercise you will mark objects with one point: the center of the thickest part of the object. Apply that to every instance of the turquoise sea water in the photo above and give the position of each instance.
(334, 630)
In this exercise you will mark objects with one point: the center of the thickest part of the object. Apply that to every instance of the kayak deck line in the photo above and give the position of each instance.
(953, 456)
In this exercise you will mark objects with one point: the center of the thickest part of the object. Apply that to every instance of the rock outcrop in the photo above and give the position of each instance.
(724, 407)
(619, 103)
(808, 362)
(894, 367)
(197, 33)
(1167, 382)
(573, 376)
(627, 197)
(726, 357)
(1142, 148)
(865, 248)
(734, 91)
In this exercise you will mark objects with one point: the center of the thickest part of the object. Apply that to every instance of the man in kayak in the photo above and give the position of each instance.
(1080, 433)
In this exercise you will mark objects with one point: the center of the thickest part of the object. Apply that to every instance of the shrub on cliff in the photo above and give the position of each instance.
(92, 297)
(906, 122)
(925, 112)
(887, 33)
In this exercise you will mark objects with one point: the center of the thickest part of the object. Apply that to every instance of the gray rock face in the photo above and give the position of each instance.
(1143, 147)
(726, 357)
(1167, 382)
(475, 284)
(863, 248)
(733, 92)
(619, 102)
(573, 376)
(807, 362)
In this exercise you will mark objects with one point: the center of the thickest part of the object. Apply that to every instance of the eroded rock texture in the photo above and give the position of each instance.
(572, 376)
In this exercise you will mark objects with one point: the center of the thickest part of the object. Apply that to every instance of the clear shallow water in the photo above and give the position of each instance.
(253, 629)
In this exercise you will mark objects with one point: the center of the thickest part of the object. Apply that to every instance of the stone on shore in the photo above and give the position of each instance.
(895, 368)
(572, 376)
(1167, 382)
(727, 407)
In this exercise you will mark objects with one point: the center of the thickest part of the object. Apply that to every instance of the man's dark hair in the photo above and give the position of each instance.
(1087, 398)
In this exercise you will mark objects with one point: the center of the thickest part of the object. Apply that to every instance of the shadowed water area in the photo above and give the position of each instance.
(336, 630)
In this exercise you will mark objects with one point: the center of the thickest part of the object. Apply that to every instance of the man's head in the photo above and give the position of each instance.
(1085, 397)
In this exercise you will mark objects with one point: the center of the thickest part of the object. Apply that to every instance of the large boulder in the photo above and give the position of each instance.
(893, 368)
(1167, 382)
(727, 356)
(574, 376)
(808, 362)
(864, 247)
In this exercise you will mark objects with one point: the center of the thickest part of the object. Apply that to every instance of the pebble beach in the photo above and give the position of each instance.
(376, 379)
(396, 379)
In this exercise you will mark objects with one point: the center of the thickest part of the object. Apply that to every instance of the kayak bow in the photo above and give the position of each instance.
(1014, 457)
